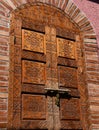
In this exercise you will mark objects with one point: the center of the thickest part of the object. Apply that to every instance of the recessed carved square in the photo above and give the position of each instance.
(33, 72)
(33, 106)
(32, 41)
(67, 77)
(69, 109)
(66, 48)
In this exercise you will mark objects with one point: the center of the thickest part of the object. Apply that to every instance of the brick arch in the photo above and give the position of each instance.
(71, 10)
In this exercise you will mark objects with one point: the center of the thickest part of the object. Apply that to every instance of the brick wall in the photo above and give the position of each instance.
(91, 10)
(4, 64)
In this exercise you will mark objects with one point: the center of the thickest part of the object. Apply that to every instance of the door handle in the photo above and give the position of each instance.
(57, 93)
(52, 90)
(57, 100)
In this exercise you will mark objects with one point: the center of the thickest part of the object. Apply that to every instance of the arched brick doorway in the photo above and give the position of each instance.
(88, 36)
(47, 71)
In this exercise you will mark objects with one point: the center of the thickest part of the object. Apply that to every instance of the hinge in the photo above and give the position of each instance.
(14, 39)
(82, 53)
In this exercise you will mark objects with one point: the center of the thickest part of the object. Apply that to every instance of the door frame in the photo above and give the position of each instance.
(16, 26)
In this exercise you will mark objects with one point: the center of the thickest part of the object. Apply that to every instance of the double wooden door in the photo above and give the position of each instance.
(49, 87)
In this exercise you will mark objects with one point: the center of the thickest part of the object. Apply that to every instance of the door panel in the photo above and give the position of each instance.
(66, 48)
(34, 101)
(32, 41)
(67, 76)
(33, 106)
(69, 109)
(33, 72)
(48, 62)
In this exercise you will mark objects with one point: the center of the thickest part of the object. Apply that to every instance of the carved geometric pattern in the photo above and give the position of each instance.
(33, 72)
(33, 106)
(67, 76)
(32, 41)
(66, 48)
(69, 109)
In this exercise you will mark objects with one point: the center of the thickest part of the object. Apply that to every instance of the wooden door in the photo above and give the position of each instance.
(36, 106)
(69, 111)
(48, 66)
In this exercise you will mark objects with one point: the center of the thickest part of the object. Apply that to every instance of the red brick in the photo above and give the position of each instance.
(3, 106)
(5, 68)
(92, 81)
(4, 84)
(92, 61)
(91, 49)
(3, 113)
(53, 2)
(3, 118)
(4, 40)
(4, 48)
(4, 29)
(64, 4)
(4, 53)
(3, 101)
(4, 63)
(6, 5)
(3, 89)
(4, 73)
(2, 13)
(3, 78)
(2, 7)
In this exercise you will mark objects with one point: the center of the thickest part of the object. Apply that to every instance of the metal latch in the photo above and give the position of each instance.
(57, 93)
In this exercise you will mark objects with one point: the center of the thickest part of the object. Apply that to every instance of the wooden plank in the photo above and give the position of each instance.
(34, 56)
(69, 34)
(34, 124)
(71, 125)
(67, 62)
(31, 88)
(28, 24)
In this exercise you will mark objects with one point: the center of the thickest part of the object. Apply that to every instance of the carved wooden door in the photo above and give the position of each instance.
(49, 87)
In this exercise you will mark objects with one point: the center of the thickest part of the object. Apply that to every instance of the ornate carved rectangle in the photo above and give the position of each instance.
(33, 72)
(67, 77)
(66, 48)
(69, 109)
(32, 41)
(33, 106)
